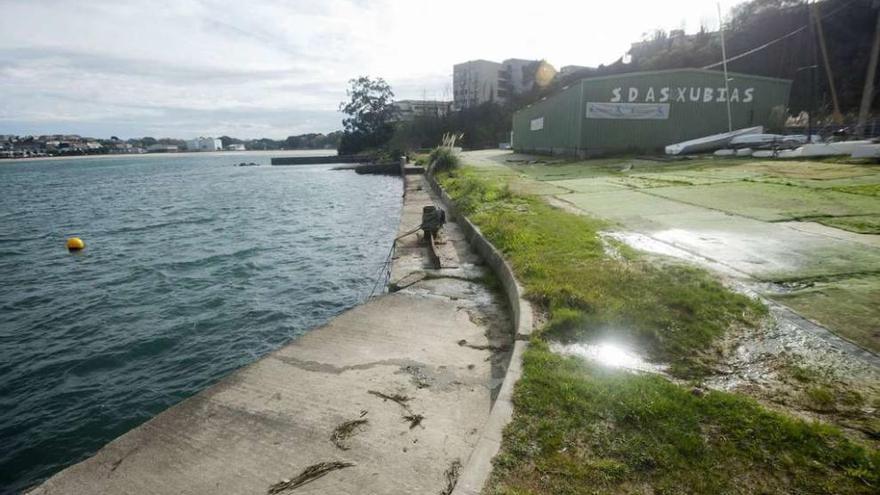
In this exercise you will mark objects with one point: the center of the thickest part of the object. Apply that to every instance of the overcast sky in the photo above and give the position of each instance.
(273, 68)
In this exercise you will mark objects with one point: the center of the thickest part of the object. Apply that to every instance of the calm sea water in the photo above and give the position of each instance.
(193, 267)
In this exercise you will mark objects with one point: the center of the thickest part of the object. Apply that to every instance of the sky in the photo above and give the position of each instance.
(274, 68)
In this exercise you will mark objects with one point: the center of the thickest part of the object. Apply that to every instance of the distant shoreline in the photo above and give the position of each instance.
(317, 152)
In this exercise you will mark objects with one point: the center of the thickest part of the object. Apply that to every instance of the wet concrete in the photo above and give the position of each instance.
(438, 346)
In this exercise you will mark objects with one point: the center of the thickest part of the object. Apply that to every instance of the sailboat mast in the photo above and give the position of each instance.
(817, 19)
(868, 92)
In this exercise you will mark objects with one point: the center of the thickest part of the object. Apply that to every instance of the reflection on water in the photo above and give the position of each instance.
(607, 354)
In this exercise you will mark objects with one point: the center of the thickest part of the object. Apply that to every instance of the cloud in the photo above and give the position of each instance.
(276, 67)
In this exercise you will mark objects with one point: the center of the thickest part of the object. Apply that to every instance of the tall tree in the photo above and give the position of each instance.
(369, 115)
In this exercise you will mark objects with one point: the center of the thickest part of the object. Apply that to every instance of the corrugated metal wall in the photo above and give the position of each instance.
(646, 111)
(560, 132)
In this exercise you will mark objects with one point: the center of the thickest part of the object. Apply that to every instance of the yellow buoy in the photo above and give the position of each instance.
(75, 244)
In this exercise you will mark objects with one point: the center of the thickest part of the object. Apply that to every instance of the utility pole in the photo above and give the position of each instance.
(724, 60)
(813, 67)
(814, 12)
(868, 92)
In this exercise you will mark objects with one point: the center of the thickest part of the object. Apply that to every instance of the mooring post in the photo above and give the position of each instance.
(433, 219)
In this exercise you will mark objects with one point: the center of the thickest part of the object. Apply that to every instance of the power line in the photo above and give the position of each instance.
(777, 40)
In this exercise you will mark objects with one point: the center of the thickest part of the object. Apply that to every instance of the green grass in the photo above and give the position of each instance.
(580, 429)
(865, 189)
(860, 224)
(583, 429)
(772, 202)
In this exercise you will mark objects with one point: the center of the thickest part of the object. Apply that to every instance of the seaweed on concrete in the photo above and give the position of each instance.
(344, 431)
(451, 476)
(308, 475)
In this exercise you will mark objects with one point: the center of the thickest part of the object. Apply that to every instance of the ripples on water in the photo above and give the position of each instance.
(192, 268)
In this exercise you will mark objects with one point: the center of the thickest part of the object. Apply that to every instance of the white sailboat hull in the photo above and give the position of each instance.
(709, 143)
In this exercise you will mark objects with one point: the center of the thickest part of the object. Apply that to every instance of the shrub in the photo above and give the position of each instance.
(443, 159)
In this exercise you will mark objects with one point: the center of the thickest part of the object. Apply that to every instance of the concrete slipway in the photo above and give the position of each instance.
(442, 341)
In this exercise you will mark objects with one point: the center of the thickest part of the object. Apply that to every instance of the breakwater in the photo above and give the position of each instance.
(319, 160)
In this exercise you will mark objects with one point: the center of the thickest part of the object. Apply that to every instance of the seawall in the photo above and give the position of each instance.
(402, 394)
(318, 160)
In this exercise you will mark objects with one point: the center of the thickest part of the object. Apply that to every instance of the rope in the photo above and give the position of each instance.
(384, 268)
(431, 221)
(409, 232)
(384, 271)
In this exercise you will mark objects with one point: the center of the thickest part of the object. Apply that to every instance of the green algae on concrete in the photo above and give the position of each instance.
(861, 224)
(849, 306)
(866, 189)
(772, 202)
(807, 169)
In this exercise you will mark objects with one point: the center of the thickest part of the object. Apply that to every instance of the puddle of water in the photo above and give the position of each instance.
(666, 242)
(607, 354)
(651, 245)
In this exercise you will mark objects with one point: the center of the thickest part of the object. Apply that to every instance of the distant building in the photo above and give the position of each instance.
(235, 147)
(204, 144)
(123, 147)
(162, 148)
(480, 81)
(475, 83)
(407, 110)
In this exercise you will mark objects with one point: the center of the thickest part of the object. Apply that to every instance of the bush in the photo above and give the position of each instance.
(443, 159)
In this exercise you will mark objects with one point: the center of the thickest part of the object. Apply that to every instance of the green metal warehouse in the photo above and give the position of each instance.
(645, 111)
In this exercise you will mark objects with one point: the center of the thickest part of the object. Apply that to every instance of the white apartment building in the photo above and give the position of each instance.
(407, 110)
(479, 81)
(474, 83)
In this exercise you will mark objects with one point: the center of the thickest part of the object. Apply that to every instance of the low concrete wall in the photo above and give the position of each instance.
(317, 160)
(475, 471)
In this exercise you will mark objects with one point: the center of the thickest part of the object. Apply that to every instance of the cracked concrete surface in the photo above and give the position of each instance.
(269, 421)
